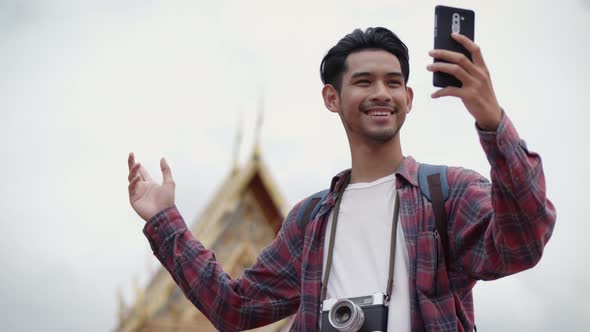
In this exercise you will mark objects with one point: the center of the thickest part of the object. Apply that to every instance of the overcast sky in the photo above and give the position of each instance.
(82, 83)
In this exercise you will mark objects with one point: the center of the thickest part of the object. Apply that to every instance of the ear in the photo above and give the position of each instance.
(331, 98)
(410, 94)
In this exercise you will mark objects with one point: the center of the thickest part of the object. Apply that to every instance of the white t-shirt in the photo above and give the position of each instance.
(360, 261)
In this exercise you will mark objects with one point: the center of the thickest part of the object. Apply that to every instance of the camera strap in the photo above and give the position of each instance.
(333, 236)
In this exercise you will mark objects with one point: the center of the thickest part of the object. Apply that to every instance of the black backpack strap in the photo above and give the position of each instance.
(435, 187)
(309, 208)
(425, 170)
(440, 214)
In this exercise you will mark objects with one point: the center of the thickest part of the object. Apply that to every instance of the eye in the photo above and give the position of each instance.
(394, 83)
(363, 83)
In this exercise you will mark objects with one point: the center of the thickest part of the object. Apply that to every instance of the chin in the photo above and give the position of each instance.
(383, 137)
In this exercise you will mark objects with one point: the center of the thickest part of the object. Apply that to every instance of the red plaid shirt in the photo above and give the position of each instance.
(495, 229)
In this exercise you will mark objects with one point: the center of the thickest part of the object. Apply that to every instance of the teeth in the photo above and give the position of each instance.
(377, 113)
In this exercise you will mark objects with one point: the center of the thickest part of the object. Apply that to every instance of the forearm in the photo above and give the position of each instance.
(229, 304)
(512, 220)
(524, 215)
(192, 267)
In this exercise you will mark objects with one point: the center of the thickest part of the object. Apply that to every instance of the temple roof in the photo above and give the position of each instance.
(240, 219)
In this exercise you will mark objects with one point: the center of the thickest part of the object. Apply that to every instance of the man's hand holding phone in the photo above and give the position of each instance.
(476, 91)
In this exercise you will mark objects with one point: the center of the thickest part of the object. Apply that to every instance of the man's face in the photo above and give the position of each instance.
(373, 100)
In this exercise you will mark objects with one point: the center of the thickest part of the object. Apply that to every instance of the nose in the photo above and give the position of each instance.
(380, 93)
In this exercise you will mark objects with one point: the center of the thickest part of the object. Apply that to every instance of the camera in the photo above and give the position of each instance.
(365, 313)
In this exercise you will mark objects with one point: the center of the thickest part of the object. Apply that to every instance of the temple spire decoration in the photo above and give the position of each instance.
(259, 122)
(237, 144)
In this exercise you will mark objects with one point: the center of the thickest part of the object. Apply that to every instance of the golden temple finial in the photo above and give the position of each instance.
(259, 122)
(237, 144)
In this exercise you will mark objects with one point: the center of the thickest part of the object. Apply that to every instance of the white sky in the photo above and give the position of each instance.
(82, 83)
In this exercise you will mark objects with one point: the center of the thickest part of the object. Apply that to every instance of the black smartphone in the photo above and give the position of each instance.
(446, 21)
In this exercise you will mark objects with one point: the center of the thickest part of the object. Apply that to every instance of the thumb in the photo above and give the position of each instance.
(166, 172)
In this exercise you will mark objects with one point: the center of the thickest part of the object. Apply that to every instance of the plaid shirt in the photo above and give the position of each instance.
(494, 230)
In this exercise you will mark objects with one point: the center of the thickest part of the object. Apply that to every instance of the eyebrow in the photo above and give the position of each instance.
(364, 74)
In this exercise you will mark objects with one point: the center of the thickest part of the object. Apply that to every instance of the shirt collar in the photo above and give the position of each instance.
(408, 170)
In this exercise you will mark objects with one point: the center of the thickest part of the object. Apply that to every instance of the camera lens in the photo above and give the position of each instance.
(342, 315)
(346, 316)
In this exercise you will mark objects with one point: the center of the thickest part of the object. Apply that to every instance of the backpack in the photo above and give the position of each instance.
(432, 180)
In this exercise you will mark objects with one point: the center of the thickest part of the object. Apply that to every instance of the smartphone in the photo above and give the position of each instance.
(446, 21)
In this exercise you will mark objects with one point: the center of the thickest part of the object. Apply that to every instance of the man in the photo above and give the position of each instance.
(494, 229)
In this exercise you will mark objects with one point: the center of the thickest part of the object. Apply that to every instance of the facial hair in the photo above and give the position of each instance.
(383, 136)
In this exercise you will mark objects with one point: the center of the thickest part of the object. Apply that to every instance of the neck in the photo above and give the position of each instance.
(374, 161)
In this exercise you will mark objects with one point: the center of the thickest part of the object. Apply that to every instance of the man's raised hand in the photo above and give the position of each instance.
(147, 197)
(477, 92)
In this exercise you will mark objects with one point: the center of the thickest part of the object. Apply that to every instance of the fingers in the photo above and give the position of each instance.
(131, 160)
(455, 58)
(166, 172)
(133, 184)
(134, 176)
(473, 74)
(134, 168)
(476, 63)
(133, 172)
(448, 91)
(450, 68)
(470, 46)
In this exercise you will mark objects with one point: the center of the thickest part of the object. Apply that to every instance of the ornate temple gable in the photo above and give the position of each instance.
(253, 177)
(240, 220)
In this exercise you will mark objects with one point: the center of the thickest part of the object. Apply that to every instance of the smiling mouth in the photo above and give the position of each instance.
(381, 111)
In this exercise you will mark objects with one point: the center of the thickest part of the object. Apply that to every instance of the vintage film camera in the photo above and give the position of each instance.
(364, 314)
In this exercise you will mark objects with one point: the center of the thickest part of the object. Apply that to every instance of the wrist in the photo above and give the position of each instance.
(154, 214)
(158, 214)
(491, 122)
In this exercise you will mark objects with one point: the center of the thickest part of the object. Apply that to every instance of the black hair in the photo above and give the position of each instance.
(334, 62)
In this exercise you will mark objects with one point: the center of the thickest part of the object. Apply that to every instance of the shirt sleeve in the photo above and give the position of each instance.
(500, 228)
(266, 292)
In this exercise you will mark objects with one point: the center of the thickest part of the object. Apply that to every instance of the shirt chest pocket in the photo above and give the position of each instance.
(431, 274)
